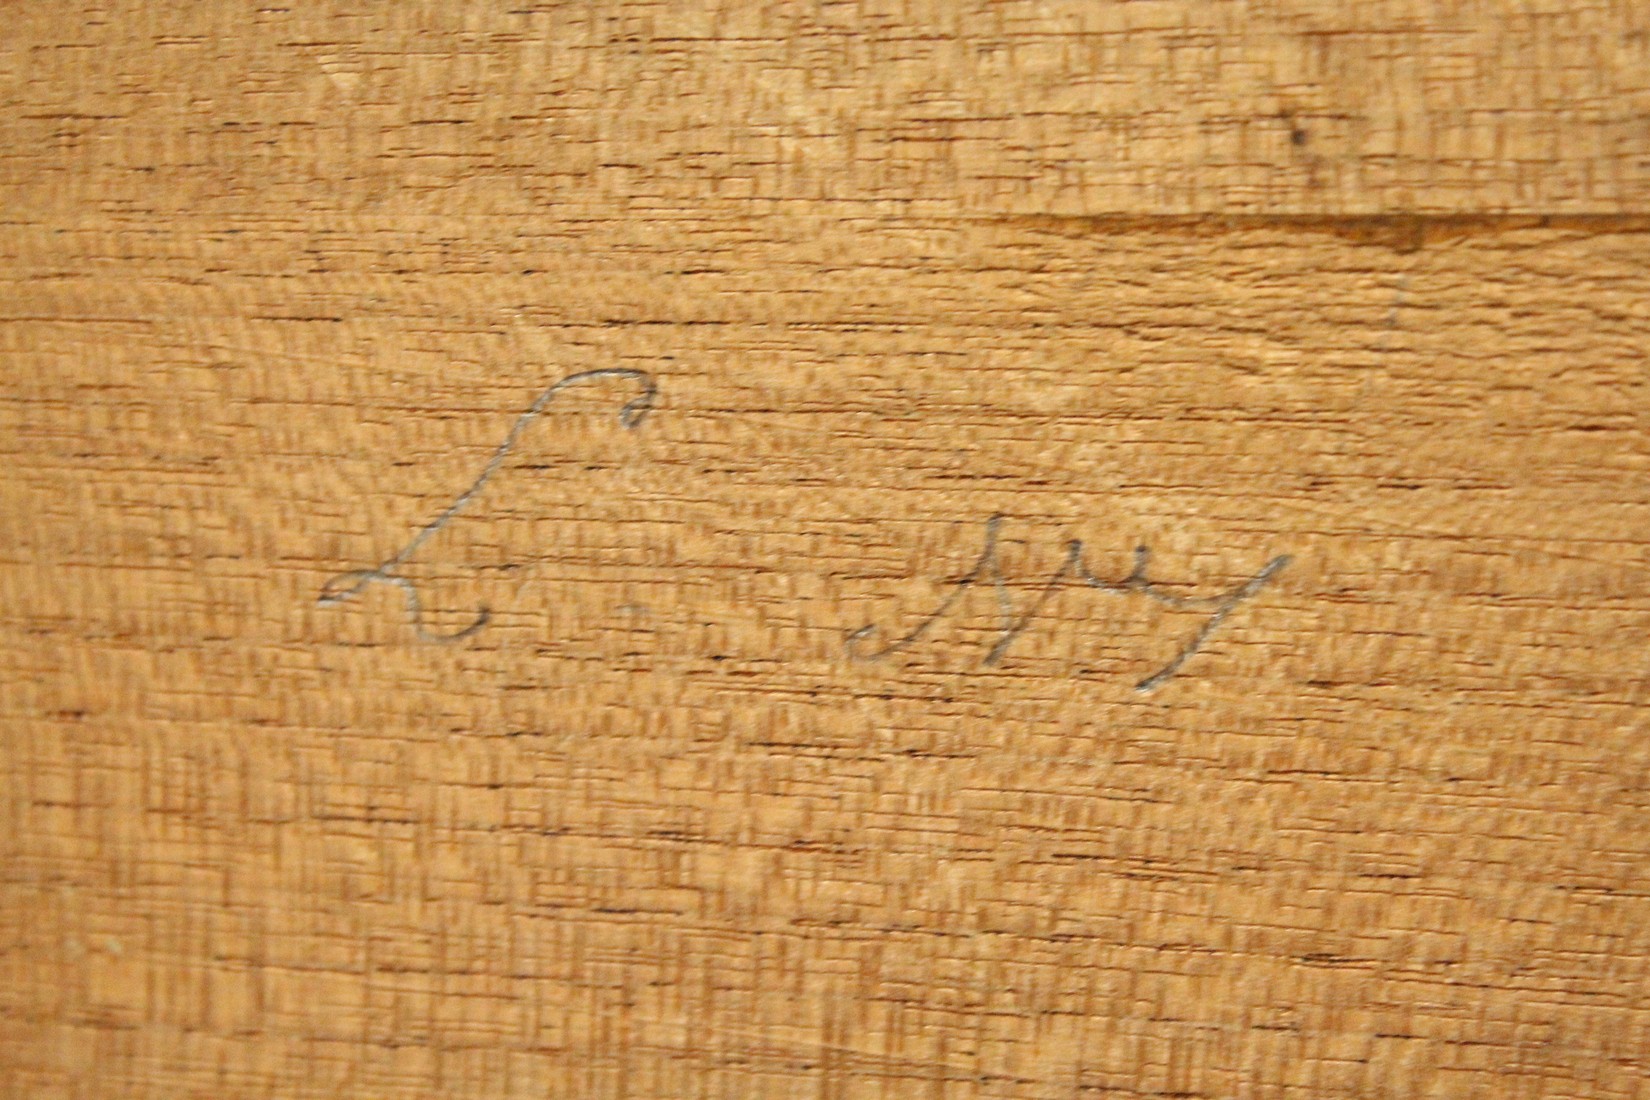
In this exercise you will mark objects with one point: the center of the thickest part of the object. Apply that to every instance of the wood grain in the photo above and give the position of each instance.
(1361, 285)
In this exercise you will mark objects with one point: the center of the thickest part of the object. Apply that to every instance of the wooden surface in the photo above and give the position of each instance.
(1365, 286)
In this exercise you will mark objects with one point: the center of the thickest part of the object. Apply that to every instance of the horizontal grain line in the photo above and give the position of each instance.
(1403, 232)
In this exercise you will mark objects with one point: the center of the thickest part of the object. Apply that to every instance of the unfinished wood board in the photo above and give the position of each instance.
(1373, 820)
(307, 114)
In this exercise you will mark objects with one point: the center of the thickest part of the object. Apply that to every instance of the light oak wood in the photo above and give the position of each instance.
(1364, 286)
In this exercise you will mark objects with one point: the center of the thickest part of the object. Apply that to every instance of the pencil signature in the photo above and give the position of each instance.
(987, 568)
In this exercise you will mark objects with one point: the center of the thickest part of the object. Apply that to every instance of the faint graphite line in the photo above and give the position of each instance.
(988, 566)
(1228, 605)
(351, 583)
(1391, 323)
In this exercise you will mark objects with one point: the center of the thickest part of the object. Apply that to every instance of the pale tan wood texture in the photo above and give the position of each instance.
(279, 281)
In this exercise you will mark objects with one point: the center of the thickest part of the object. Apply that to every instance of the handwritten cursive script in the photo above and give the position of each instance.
(989, 569)
(345, 585)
